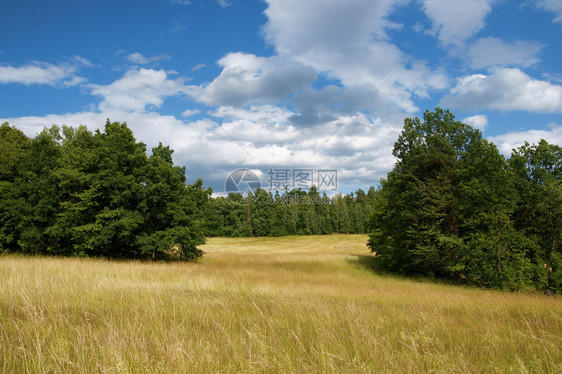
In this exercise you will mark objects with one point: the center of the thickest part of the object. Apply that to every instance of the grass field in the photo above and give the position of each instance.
(295, 304)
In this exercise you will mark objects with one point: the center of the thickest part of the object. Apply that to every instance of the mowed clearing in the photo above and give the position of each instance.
(294, 304)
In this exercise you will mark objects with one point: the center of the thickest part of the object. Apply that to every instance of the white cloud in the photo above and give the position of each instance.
(265, 114)
(494, 52)
(223, 3)
(335, 36)
(315, 107)
(456, 21)
(181, 2)
(74, 81)
(258, 136)
(190, 112)
(191, 141)
(272, 109)
(479, 121)
(361, 151)
(553, 77)
(295, 27)
(136, 90)
(348, 41)
(507, 142)
(554, 6)
(246, 78)
(82, 61)
(198, 66)
(505, 89)
(420, 79)
(40, 73)
(137, 58)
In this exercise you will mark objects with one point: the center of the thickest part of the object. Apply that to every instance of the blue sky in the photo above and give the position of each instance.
(318, 84)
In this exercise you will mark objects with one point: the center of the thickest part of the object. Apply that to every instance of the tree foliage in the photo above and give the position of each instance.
(73, 192)
(295, 212)
(453, 207)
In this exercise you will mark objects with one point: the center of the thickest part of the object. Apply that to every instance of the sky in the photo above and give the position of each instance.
(279, 85)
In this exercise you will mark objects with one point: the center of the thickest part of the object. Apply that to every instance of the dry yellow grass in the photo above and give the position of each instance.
(295, 304)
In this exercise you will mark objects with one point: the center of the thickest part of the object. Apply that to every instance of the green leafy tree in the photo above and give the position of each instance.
(14, 147)
(445, 208)
(169, 208)
(96, 194)
(261, 213)
(538, 178)
(39, 188)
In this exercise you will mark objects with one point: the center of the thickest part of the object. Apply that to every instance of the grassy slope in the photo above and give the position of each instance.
(295, 304)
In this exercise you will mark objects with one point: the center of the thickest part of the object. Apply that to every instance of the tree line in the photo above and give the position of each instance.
(73, 192)
(296, 212)
(453, 207)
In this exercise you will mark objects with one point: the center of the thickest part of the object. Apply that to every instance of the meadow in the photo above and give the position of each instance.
(307, 304)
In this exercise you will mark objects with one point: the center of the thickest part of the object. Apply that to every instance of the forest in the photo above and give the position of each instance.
(295, 212)
(72, 192)
(453, 207)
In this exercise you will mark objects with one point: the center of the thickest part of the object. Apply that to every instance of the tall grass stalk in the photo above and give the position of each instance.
(294, 304)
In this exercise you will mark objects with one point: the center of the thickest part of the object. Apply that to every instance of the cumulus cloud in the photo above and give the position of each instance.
(505, 89)
(361, 151)
(507, 142)
(266, 114)
(421, 79)
(457, 20)
(257, 137)
(247, 78)
(42, 73)
(554, 6)
(136, 90)
(349, 43)
(479, 121)
(190, 112)
(257, 125)
(494, 52)
(335, 36)
(295, 27)
(137, 58)
(316, 107)
(280, 117)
